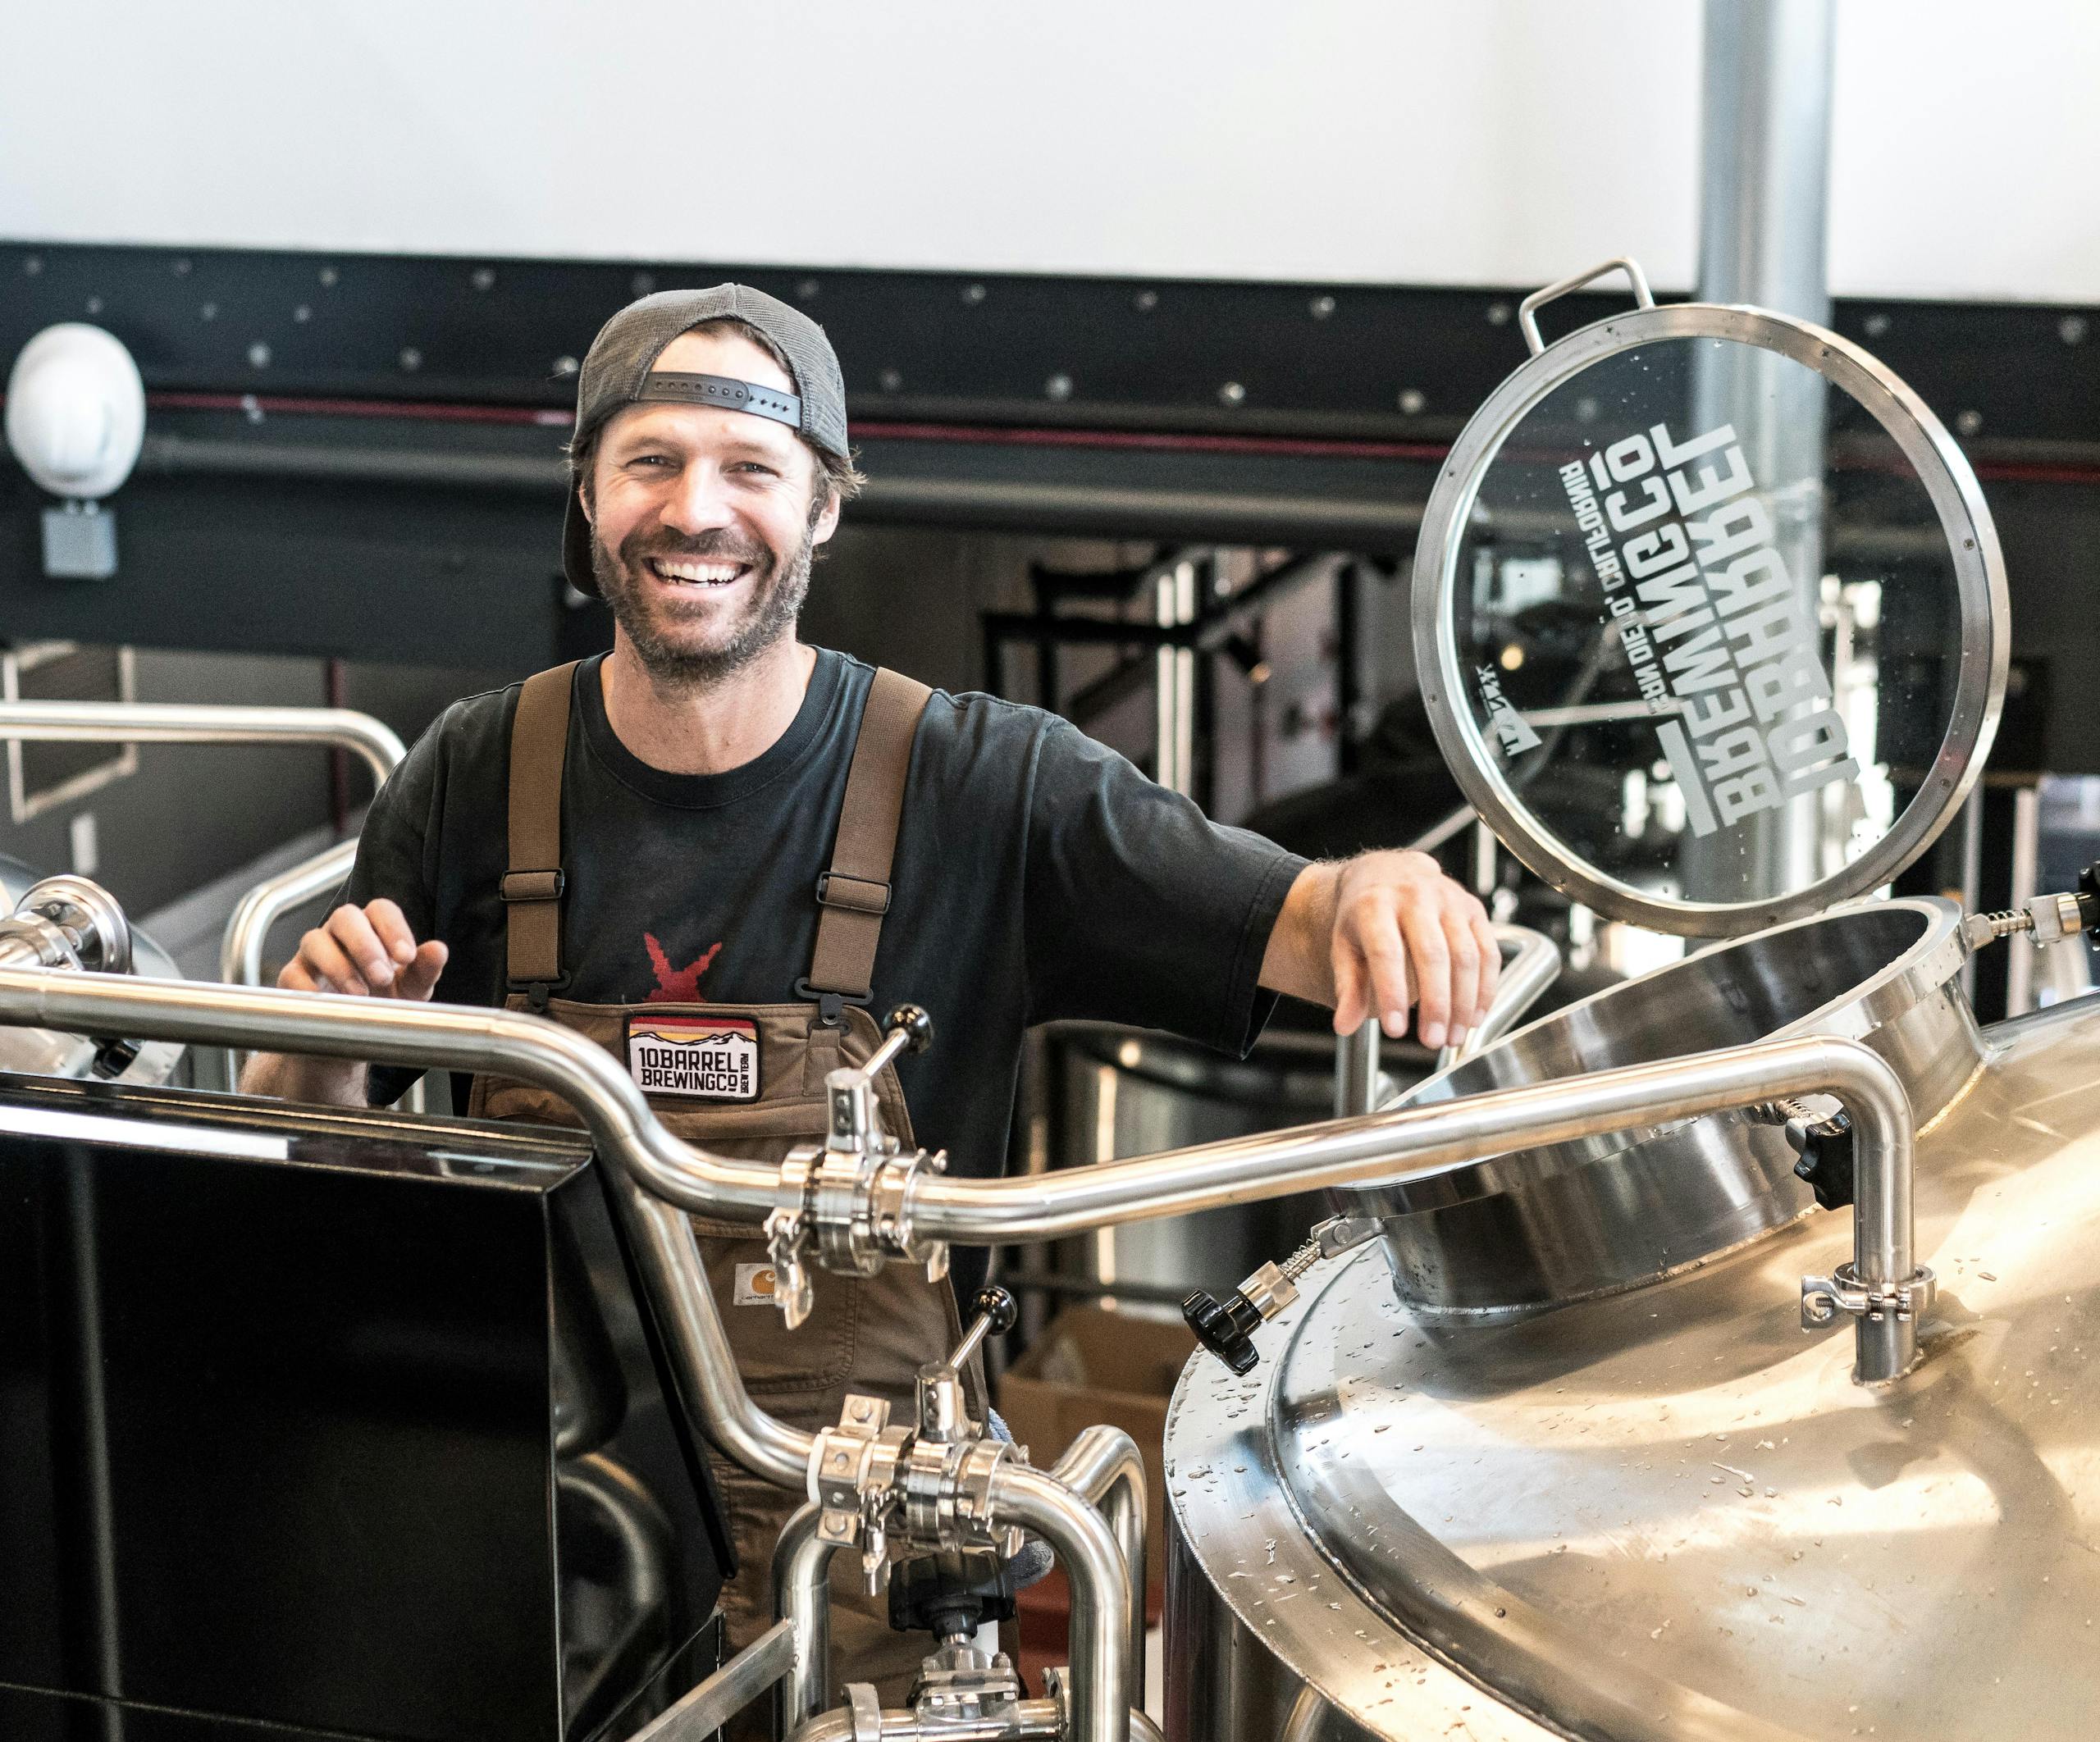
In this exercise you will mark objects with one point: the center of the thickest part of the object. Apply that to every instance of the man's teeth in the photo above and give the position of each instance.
(702, 574)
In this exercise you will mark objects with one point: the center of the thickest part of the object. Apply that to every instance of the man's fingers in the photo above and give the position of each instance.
(1371, 926)
(328, 965)
(1465, 972)
(354, 935)
(390, 925)
(1421, 926)
(418, 979)
(294, 976)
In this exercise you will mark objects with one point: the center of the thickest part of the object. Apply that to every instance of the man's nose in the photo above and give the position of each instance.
(699, 502)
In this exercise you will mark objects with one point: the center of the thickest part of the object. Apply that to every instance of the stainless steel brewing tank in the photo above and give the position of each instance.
(1666, 1512)
(1561, 1460)
(1646, 1202)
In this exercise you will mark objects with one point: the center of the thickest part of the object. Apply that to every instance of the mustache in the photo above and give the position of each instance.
(718, 546)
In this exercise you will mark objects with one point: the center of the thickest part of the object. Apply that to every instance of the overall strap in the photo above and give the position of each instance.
(532, 885)
(855, 893)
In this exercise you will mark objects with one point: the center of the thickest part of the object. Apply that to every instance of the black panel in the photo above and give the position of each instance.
(1365, 360)
(366, 1440)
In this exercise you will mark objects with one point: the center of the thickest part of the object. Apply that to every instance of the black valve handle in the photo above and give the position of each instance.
(1225, 1327)
(994, 1303)
(915, 1025)
(996, 1313)
(1826, 1159)
(2088, 900)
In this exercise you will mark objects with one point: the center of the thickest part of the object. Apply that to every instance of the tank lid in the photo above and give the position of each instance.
(1711, 616)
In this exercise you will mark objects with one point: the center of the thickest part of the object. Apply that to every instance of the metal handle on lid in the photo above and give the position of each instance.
(1527, 311)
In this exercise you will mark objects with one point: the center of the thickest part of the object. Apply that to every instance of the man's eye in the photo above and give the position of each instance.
(755, 468)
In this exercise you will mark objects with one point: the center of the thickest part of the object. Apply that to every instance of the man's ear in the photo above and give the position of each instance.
(583, 496)
(827, 520)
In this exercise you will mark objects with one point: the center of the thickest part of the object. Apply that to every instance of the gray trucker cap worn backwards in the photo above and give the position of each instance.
(620, 371)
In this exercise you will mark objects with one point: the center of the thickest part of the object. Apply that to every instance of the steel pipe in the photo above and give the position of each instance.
(1102, 1466)
(668, 1259)
(1407, 1144)
(172, 723)
(169, 723)
(802, 1593)
(1093, 1565)
(1355, 1070)
(1037, 1721)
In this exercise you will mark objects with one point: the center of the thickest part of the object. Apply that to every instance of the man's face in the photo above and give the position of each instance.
(703, 522)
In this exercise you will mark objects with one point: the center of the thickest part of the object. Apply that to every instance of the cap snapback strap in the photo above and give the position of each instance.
(725, 391)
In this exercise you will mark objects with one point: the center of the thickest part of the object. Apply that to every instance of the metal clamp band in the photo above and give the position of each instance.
(1825, 1298)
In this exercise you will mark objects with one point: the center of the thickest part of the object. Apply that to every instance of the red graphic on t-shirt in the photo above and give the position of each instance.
(678, 985)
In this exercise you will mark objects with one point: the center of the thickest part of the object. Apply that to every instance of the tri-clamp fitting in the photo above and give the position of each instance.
(849, 1201)
(67, 922)
(1824, 1298)
(926, 1484)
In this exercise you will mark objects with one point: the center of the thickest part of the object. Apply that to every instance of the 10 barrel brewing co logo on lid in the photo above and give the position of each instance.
(709, 1058)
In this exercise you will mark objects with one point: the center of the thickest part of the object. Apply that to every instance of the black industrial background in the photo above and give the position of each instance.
(358, 458)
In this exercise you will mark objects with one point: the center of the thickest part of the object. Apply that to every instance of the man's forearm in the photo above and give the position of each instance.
(286, 1076)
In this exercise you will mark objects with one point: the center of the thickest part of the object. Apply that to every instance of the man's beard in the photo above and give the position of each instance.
(661, 629)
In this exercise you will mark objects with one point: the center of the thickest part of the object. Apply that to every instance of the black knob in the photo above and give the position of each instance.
(917, 1025)
(1826, 1158)
(2088, 900)
(994, 1304)
(951, 1593)
(112, 1058)
(1224, 1327)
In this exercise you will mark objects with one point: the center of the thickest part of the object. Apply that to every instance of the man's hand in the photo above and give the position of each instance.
(1376, 933)
(364, 951)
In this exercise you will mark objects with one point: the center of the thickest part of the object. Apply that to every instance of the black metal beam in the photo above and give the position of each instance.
(1039, 353)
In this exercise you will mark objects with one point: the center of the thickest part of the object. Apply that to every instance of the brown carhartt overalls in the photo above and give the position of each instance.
(865, 1334)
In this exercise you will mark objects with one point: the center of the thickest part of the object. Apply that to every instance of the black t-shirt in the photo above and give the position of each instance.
(1038, 875)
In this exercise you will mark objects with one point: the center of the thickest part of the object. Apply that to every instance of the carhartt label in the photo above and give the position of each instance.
(754, 1285)
(709, 1058)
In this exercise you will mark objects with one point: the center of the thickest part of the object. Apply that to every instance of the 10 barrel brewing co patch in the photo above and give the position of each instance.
(707, 1058)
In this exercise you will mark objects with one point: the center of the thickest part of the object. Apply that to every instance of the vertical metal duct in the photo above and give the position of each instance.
(1765, 155)
(1764, 185)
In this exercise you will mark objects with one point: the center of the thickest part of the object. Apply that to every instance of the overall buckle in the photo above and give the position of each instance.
(831, 1006)
(538, 991)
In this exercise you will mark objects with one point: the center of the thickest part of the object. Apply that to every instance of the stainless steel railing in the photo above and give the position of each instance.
(176, 723)
(240, 954)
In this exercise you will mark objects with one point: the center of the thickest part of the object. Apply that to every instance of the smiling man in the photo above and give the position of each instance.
(714, 850)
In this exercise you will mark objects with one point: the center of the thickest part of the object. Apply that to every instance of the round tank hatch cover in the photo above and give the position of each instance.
(1710, 617)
